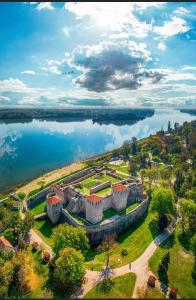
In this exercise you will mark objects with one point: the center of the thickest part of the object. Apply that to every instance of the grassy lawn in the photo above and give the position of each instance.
(135, 240)
(44, 229)
(122, 287)
(180, 267)
(122, 167)
(38, 276)
(104, 192)
(39, 208)
(129, 208)
(109, 213)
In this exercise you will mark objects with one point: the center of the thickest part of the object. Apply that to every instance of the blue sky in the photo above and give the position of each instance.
(98, 54)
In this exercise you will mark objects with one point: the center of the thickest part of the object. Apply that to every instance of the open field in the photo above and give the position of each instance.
(135, 240)
(51, 176)
(40, 208)
(180, 267)
(44, 229)
(123, 167)
(122, 287)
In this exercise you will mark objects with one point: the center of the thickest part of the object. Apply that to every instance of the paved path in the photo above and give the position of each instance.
(34, 237)
(139, 267)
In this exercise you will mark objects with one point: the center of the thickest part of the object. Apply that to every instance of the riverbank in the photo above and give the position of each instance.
(50, 177)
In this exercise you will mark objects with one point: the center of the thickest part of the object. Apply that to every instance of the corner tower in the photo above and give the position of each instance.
(54, 205)
(120, 194)
(94, 208)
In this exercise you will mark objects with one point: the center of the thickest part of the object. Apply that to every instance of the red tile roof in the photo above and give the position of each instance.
(119, 187)
(53, 200)
(94, 198)
(5, 244)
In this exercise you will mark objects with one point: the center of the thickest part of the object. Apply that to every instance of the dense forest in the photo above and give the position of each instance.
(101, 116)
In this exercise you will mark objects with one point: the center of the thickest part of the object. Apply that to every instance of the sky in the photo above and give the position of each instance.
(75, 54)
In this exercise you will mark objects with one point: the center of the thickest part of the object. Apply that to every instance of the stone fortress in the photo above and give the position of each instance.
(99, 199)
(70, 198)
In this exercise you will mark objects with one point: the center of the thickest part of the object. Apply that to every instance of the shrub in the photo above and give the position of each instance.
(46, 256)
(21, 195)
(124, 252)
(35, 245)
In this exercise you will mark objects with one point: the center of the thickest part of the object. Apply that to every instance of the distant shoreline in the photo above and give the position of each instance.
(118, 116)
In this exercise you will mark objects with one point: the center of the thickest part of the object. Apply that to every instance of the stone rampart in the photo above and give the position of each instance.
(116, 224)
(100, 187)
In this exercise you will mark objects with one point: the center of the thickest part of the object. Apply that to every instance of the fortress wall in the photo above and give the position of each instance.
(41, 196)
(116, 225)
(107, 202)
(38, 198)
(77, 175)
(100, 187)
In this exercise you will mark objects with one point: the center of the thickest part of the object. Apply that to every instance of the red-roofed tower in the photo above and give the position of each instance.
(120, 194)
(94, 208)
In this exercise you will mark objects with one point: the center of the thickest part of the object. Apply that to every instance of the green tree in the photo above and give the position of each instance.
(66, 235)
(107, 245)
(163, 201)
(163, 269)
(183, 210)
(27, 223)
(69, 268)
(193, 246)
(169, 129)
(134, 146)
(6, 274)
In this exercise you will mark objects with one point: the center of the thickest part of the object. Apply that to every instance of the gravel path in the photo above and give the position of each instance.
(139, 267)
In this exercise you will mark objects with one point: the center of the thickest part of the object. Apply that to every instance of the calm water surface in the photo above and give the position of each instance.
(28, 150)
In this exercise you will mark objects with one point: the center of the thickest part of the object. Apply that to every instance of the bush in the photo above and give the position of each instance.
(124, 252)
(163, 222)
(106, 285)
(21, 195)
(46, 256)
(35, 245)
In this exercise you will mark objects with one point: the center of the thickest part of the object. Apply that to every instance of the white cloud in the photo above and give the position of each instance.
(4, 99)
(175, 26)
(29, 72)
(44, 5)
(161, 46)
(116, 16)
(190, 68)
(13, 85)
(66, 31)
(181, 11)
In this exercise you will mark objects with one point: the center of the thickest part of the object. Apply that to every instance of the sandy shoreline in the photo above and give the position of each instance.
(51, 176)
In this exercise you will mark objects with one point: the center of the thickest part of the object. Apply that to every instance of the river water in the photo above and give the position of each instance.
(28, 150)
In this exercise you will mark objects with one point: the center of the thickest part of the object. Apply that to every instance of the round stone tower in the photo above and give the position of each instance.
(120, 194)
(94, 208)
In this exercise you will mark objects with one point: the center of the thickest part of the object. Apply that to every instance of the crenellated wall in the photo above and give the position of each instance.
(117, 224)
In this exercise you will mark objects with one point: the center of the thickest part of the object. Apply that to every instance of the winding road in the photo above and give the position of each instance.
(139, 267)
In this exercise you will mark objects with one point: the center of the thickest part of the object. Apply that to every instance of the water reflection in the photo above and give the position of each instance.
(30, 149)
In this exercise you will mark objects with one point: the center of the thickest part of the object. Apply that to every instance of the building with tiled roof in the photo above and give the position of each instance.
(5, 244)
(94, 198)
(53, 200)
(92, 206)
(119, 187)
(54, 204)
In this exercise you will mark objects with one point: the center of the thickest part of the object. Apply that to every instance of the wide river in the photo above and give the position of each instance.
(28, 150)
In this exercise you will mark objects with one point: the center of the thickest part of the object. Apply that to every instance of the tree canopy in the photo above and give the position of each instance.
(163, 201)
(66, 235)
(69, 267)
